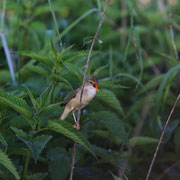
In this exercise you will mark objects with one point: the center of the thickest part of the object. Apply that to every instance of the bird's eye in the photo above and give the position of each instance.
(90, 82)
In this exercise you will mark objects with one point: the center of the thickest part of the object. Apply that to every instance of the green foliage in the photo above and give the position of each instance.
(17, 104)
(67, 130)
(60, 163)
(109, 98)
(113, 123)
(7, 163)
(137, 67)
(142, 141)
(35, 145)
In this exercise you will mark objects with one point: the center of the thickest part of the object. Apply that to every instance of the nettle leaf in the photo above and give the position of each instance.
(2, 140)
(7, 163)
(74, 69)
(36, 145)
(63, 52)
(112, 123)
(33, 100)
(109, 98)
(16, 103)
(28, 70)
(60, 163)
(44, 98)
(40, 58)
(59, 78)
(67, 130)
(37, 176)
(142, 140)
(100, 69)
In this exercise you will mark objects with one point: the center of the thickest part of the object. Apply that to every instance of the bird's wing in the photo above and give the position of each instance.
(71, 96)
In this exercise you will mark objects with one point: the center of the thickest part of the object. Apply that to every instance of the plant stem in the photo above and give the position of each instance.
(26, 165)
(161, 137)
(85, 73)
(52, 93)
(73, 161)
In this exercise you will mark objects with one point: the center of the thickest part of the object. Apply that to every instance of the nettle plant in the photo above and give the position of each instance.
(30, 128)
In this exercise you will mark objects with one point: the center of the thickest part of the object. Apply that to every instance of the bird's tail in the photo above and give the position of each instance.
(65, 113)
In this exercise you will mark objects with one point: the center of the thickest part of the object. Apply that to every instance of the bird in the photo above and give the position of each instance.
(72, 102)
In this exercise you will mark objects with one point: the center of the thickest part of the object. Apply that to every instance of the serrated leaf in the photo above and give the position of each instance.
(37, 176)
(29, 69)
(40, 58)
(59, 158)
(35, 104)
(17, 104)
(58, 78)
(36, 145)
(44, 98)
(67, 130)
(7, 163)
(2, 140)
(111, 122)
(109, 98)
(74, 69)
(100, 69)
(142, 140)
(63, 52)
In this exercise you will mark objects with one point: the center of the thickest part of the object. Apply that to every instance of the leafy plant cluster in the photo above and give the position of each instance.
(138, 81)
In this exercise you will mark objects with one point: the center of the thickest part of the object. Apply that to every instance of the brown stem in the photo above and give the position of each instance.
(85, 73)
(73, 161)
(161, 137)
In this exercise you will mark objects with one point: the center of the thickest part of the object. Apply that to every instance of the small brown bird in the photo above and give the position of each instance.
(72, 103)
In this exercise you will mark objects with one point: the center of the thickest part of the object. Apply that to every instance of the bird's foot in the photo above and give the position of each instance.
(76, 126)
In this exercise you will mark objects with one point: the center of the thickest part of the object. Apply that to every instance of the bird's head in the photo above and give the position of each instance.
(92, 81)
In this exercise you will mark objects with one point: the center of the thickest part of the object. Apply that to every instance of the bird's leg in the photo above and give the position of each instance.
(77, 126)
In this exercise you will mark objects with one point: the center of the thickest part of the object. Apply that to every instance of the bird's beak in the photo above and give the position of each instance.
(95, 86)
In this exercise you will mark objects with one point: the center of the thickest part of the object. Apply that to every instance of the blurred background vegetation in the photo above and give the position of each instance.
(136, 61)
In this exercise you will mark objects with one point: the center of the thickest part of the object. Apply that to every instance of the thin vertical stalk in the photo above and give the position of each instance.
(3, 15)
(161, 137)
(85, 74)
(55, 21)
(18, 44)
(26, 165)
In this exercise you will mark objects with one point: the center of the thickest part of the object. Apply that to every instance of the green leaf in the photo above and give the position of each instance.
(63, 52)
(109, 98)
(100, 69)
(36, 145)
(7, 163)
(160, 93)
(59, 158)
(35, 104)
(59, 78)
(40, 58)
(37, 176)
(28, 70)
(17, 104)
(76, 22)
(2, 140)
(140, 53)
(44, 98)
(74, 69)
(112, 123)
(67, 130)
(142, 140)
